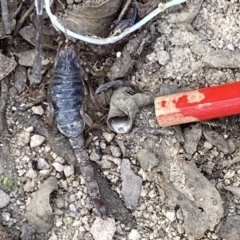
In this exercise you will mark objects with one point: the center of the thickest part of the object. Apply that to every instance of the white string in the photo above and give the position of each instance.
(112, 39)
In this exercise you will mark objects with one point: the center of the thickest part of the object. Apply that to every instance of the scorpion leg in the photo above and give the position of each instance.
(116, 84)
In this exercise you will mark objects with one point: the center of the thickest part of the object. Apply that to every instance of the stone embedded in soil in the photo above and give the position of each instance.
(43, 164)
(131, 185)
(134, 235)
(38, 110)
(171, 215)
(230, 228)
(4, 199)
(36, 141)
(115, 151)
(94, 156)
(108, 136)
(7, 65)
(26, 58)
(147, 159)
(216, 139)
(234, 190)
(103, 229)
(163, 57)
(192, 135)
(68, 171)
(38, 211)
(20, 78)
(58, 166)
(23, 138)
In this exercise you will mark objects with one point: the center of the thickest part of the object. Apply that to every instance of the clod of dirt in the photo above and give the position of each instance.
(234, 190)
(27, 232)
(7, 65)
(147, 159)
(4, 235)
(124, 105)
(4, 199)
(192, 136)
(39, 212)
(124, 64)
(103, 229)
(216, 139)
(188, 13)
(95, 20)
(26, 58)
(20, 78)
(222, 59)
(186, 187)
(131, 185)
(230, 229)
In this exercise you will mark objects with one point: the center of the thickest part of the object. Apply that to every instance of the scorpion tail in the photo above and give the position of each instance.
(88, 175)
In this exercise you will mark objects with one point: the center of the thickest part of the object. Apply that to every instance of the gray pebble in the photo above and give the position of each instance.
(58, 166)
(23, 138)
(60, 203)
(163, 57)
(68, 171)
(36, 141)
(134, 235)
(115, 151)
(4, 199)
(108, 136)
(94, 156)
(38, 110)
(147, 159)
(43, 164)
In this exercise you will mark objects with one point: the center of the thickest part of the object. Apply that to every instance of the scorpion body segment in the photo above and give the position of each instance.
(67, 95)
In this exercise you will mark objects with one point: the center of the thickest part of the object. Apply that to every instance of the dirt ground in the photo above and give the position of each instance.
(179, 184)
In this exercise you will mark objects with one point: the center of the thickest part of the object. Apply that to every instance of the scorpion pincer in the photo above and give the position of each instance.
(67, 95)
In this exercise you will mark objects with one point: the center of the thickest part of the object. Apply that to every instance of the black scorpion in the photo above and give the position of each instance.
(67, 95)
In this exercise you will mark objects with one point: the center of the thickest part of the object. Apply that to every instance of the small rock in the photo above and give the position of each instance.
(60, 203)
(31, 174)
(68, 171)
(103, 229)
(43, 164)
(229, 174)
(192, 136)
(4, 199)
(230, 228)
(26, 58)
(94, 156)
(38, 110)
(23, 138)
(36, 141)
(216, 139)
(108, 136)
(30, 186)
(207, 145)
(134, 235)
(115, 151)
(72, 207)
(58, 166)
(20, 78)
(147, 159)
(163, 57)
(7, 65)
(171, 215)
(131, 185)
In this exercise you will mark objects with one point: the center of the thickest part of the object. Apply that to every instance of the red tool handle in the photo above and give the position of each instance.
(197, 105)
